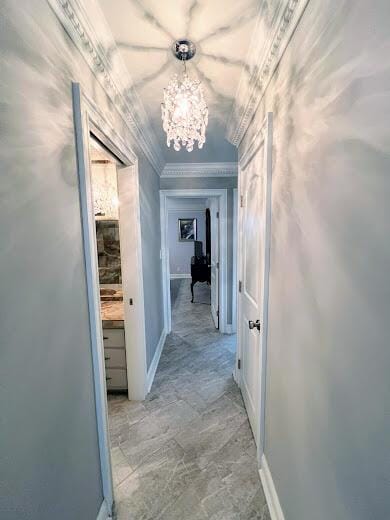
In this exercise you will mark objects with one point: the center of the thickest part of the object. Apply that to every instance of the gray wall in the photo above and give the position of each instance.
(328, 384)
(228, 183)
(151, 245)
(49, 460)
(180, 253)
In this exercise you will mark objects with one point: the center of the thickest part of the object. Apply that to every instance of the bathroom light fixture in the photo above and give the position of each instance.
(184, 111)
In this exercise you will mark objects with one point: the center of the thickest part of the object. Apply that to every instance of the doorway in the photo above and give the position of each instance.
(214, 266)
(109, 207)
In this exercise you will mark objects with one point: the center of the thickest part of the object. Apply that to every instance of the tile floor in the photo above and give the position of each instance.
(187, 452)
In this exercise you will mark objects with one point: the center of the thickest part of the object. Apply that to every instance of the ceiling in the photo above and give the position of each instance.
(144, 31)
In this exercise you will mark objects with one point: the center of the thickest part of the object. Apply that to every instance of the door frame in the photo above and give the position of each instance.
(88, 119)
(215, 253)
(263, 135)
(221, 195)
(235, 258)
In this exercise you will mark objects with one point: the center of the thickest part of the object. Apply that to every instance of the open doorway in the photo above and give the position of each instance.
(109, 207)
(189, 244)
(108, 249)
(194, 250)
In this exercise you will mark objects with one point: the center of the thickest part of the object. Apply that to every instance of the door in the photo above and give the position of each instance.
(132, 283)
(214, 260)
(255, 200)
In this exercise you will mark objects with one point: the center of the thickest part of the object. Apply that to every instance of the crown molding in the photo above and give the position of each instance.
(112, 75)
(211, 169)
(263, 60)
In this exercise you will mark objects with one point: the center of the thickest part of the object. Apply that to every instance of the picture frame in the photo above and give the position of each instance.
(188, 229)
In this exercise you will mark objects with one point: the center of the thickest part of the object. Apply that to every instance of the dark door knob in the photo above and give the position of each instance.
(254, 324)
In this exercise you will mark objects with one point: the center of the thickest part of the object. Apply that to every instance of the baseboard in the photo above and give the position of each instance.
(271, 495)
(103, 512)
(178, 276)
(155, 361)
(229, 328)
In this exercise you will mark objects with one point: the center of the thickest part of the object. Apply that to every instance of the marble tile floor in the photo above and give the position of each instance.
(187, 451)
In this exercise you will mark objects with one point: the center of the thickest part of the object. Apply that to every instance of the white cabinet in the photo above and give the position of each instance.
(115, 358)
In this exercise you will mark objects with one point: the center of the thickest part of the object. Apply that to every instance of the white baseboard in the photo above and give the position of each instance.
(155, 361)
(179, 275)
(275, 509)
(229, 328)
(103, 512)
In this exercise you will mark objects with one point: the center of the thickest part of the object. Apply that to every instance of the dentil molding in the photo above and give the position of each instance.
(263, 60)
(113, 76)
(212, 169)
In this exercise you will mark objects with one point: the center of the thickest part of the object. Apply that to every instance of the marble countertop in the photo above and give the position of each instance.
(112, 313)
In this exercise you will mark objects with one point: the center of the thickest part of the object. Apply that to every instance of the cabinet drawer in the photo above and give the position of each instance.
(116, 379)
(114, 337)
(115, 357)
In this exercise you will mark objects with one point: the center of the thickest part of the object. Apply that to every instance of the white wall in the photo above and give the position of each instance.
(328, 384)
(180, 253)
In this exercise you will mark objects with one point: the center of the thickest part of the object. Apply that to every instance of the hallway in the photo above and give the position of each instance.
(187, 452)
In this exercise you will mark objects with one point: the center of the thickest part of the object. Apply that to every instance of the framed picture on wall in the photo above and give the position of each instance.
(187, 229)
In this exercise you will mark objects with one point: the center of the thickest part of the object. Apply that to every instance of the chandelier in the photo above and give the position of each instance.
(184, 111)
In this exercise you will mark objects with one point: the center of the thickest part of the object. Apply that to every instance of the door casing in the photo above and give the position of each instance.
(88, 119)
(221, 194)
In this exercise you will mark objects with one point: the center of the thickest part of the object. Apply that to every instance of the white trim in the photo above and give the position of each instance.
(178, 276)
(235, 286)
(187, 210)
(212, 169)
(229, 328)
(155, 361)
(221, 194)
(271, 495)
(133, 287)
(263, 59)
(113, 75)
(103, 513)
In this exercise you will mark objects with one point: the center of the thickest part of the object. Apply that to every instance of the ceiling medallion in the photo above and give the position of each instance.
(184, 111)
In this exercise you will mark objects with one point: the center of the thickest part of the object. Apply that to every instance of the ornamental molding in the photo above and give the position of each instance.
(213, 169)
(113, 77)
(262, 64)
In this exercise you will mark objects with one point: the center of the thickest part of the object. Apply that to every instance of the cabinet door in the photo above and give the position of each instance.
(114, 337)
(116, 379)
(115, 357)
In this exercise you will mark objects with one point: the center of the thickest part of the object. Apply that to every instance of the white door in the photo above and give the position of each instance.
(132, 284)
(255, 170)
(214, 270)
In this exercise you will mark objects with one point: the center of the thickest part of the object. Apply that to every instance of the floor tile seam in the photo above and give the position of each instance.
(149, 454)
(125, 478)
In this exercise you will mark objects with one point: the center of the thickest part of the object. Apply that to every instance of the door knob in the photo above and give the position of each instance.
(254, 324)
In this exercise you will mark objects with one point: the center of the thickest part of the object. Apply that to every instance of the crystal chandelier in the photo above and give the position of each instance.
(184, 111)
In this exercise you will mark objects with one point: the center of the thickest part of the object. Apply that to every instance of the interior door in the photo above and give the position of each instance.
(255, 171)
(214, 261)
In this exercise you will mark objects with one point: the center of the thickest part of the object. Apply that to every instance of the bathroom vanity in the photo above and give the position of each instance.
(112, 312)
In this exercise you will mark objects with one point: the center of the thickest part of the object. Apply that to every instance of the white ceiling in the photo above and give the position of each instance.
(144, 31)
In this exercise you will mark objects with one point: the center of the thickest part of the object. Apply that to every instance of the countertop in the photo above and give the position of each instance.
(112, 313)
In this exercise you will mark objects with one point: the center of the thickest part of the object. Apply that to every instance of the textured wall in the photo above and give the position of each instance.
(49, 460)
(328, 385)
(180, 253)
